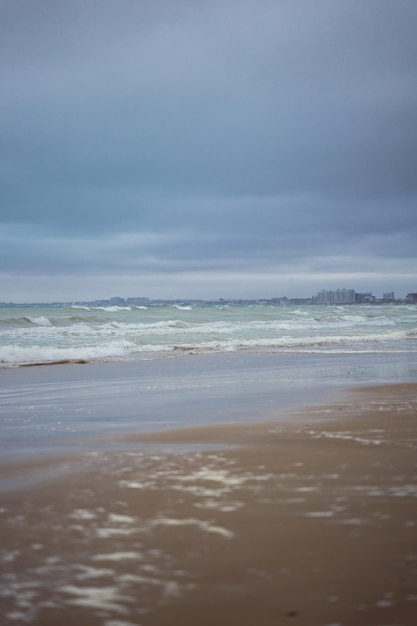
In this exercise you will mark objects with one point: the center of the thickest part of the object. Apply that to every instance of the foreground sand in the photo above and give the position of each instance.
(311, 522)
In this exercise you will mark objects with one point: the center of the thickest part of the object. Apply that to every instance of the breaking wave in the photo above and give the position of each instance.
(88, 333)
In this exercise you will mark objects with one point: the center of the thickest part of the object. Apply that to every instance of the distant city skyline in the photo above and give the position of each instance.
(327, 297)
(212, 294)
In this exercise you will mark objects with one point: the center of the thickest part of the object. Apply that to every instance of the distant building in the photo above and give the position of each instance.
(389, 296)
(300, 301)
(411, 298)
(362, 298)
(340, 296)
(137, 301)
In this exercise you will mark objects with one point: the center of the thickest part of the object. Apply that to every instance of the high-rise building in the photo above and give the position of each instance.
(340, 296)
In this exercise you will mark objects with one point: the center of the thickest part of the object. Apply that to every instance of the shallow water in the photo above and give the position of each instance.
(71, 405)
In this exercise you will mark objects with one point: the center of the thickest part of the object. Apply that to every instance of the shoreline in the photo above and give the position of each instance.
(310, 521)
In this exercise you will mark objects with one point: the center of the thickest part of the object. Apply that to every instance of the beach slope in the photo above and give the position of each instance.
(312, 521)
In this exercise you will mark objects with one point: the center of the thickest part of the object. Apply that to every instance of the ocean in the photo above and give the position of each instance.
(102, 371)
(56, 334)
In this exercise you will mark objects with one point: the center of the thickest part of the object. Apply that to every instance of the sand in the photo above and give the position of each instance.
(309, 522)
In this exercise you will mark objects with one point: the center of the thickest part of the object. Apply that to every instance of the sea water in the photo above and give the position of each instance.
(36, 335)
(108, 370)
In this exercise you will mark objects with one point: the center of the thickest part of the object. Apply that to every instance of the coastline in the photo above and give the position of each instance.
(311, 521)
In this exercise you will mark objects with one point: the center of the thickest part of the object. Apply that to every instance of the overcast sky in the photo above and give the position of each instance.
(218, 148)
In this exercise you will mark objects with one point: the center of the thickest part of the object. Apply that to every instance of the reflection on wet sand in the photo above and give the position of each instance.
(310, 521)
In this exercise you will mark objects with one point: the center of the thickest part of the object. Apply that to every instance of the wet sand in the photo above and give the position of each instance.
(311, 522)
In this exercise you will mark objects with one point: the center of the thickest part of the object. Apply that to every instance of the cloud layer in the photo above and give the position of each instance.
(207, 149)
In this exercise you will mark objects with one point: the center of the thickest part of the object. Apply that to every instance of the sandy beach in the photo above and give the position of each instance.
(312, 521)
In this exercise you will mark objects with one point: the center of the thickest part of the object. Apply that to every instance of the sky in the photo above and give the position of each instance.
(207, 149)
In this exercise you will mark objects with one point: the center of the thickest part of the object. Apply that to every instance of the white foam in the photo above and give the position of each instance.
(118, 556)
(224, 507)
(170, 588)
(39, 320)
(202, 491)
(121, 519)
(399, 491)
(217, 475)
(320, 514)
(17, 616)
(8, 556)
(112, 309)
(92, 572)
(49, 354)
(97, 597)
(107, 533)
(200, 524)
(348, 436)
(135, 484)
(82, 514)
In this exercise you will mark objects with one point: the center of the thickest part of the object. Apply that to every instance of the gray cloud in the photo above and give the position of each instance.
(164, 138)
